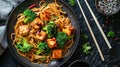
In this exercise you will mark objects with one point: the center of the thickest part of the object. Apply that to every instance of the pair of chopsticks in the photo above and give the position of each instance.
(98, 25)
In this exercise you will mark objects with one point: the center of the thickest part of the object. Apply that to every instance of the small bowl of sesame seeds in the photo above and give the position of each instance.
(107, 7)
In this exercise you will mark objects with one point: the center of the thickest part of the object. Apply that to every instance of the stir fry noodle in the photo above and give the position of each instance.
(43, 33)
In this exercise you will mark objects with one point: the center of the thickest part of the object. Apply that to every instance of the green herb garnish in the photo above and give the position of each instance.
(111, 34)
(72, 2)
(86, 48)
(84, 37)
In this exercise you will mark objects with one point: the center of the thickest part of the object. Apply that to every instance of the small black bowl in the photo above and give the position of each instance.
(107, 7)
(79, 63)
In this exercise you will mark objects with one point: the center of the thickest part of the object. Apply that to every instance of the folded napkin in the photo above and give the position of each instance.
(5, 8)
(3, 43)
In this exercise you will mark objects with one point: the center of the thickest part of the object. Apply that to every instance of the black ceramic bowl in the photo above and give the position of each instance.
(10, 29)
(107, 7)
(79, 63)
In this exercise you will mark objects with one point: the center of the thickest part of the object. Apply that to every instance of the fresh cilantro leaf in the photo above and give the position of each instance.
(86, 48)
(111, 34)
(72, 2)
(84, 37)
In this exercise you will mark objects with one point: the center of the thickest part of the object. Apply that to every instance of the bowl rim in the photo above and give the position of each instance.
(79, 61)
(78, 32)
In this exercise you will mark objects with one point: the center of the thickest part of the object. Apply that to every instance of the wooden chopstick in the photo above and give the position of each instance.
(91, 32)
(99, 27)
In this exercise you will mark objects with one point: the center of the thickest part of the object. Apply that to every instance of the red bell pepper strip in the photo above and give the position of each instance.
(32, 6)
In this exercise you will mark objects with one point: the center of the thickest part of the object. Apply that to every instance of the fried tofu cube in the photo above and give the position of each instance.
(36, 26)
(23, 29)
(57, 53)
(68, 30)
(41, 36)
(52, 42)
(36, 23)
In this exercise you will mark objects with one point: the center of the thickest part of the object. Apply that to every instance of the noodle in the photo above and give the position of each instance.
(45, 13)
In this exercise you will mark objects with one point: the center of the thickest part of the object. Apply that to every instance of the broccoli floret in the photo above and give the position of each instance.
(30, 15)
(48, 30)
(61, 38)
(51, 29)
(23, 45)
(39, 51)
(42, 47)
(51, 23)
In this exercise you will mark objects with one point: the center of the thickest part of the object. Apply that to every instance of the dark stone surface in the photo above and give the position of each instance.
(112, 57)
